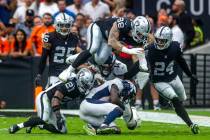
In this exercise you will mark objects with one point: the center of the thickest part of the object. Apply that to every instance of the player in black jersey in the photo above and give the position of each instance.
(163, 56)
(105, 35)
(48, 103)
(58, 46)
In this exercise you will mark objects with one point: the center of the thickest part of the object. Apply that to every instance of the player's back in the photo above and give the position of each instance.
(103, 91)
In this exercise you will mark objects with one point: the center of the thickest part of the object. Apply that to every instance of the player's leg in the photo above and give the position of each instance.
(99, 109)
(155, 97)
(94, 39)
(42, 105)
(103, 53)
(167, 91)
(142, 79)
(180, 91)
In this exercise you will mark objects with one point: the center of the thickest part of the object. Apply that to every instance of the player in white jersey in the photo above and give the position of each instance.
(104, 104)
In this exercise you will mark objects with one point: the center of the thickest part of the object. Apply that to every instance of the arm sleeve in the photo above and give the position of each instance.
(183, 64)
(43, 60)
(134, 69)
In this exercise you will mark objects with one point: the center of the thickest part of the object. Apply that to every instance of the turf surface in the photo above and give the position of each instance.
(147, 131)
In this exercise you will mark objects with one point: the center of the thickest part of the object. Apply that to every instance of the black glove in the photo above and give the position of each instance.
(195, 79)
(60, 122)
(38, 80)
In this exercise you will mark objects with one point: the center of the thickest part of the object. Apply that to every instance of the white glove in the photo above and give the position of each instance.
(71, 58)
(133, 50)
(66, 74)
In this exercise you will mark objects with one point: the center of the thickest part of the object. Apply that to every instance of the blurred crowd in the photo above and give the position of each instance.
(24, 22)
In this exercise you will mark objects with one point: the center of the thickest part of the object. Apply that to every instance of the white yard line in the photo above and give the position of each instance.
(145, 116)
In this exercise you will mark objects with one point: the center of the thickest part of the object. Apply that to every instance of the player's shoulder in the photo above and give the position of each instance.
(123, 23)
(175, 46)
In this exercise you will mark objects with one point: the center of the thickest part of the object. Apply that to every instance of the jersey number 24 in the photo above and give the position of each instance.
(161, 69)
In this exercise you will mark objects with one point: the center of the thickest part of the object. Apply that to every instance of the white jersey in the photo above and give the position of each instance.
(119, 68)
(103, 92)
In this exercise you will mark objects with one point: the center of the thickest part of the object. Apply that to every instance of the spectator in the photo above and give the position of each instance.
(129, 14)
(184, 21)
(20, 13)
(39, 31)
(37, 21)
(48, 6)
(198, 38)
(80, 23)
(96, 9)
(178, 35)
(7, 7)
(28, 24)
(2, 104)
(76, 7)
(4, 45)
(162, 19)
(21, 46)
(62, 8)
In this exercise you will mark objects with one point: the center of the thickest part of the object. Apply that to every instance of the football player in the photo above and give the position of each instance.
(103, 35)
(104, 104)
(58, 46)
(48, 103)
(163, 57)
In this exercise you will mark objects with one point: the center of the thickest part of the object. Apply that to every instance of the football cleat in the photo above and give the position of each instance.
(195, 129)
(106, 130)
(157, 107)
(13, 129)
(116, 130)
(89, 129)
(28, 130)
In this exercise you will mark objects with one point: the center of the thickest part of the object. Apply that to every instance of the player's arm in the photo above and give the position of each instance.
(55, 102)
(114, 96)
(113, 39)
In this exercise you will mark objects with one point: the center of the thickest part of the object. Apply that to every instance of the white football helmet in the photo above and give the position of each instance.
(63, 23)
(163, 37)
(140, 29)
(85, 80)
(119, 69)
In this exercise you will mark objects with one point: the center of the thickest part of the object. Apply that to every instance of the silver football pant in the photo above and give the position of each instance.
(97, 45)
(44, 111)
(94, 113)
(172, 89)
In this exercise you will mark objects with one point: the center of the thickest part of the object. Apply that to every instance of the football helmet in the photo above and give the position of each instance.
(163, 37)
(85, 80)
(140, 29)
(119, 69)
(63, 23)
(128, 92)
(106, 68)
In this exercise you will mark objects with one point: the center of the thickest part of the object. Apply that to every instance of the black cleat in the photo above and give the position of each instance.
(13, 129)
(195, 129)
(28, 130)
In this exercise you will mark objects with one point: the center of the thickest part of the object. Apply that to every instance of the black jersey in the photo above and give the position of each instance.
(124, 27)
(68, 89)
(163, 63)
(60, 49)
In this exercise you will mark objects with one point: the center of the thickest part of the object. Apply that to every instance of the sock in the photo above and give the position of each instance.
(117, 112)
(81, 58)
(155, 102)
(33, 121)
(138, 102)
(180, 111)
(20, 125)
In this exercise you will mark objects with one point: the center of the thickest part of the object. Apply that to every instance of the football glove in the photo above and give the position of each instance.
(60, 122)
(133, 50)
(195, 79)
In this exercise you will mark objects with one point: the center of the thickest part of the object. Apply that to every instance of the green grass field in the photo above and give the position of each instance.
(147, 131)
